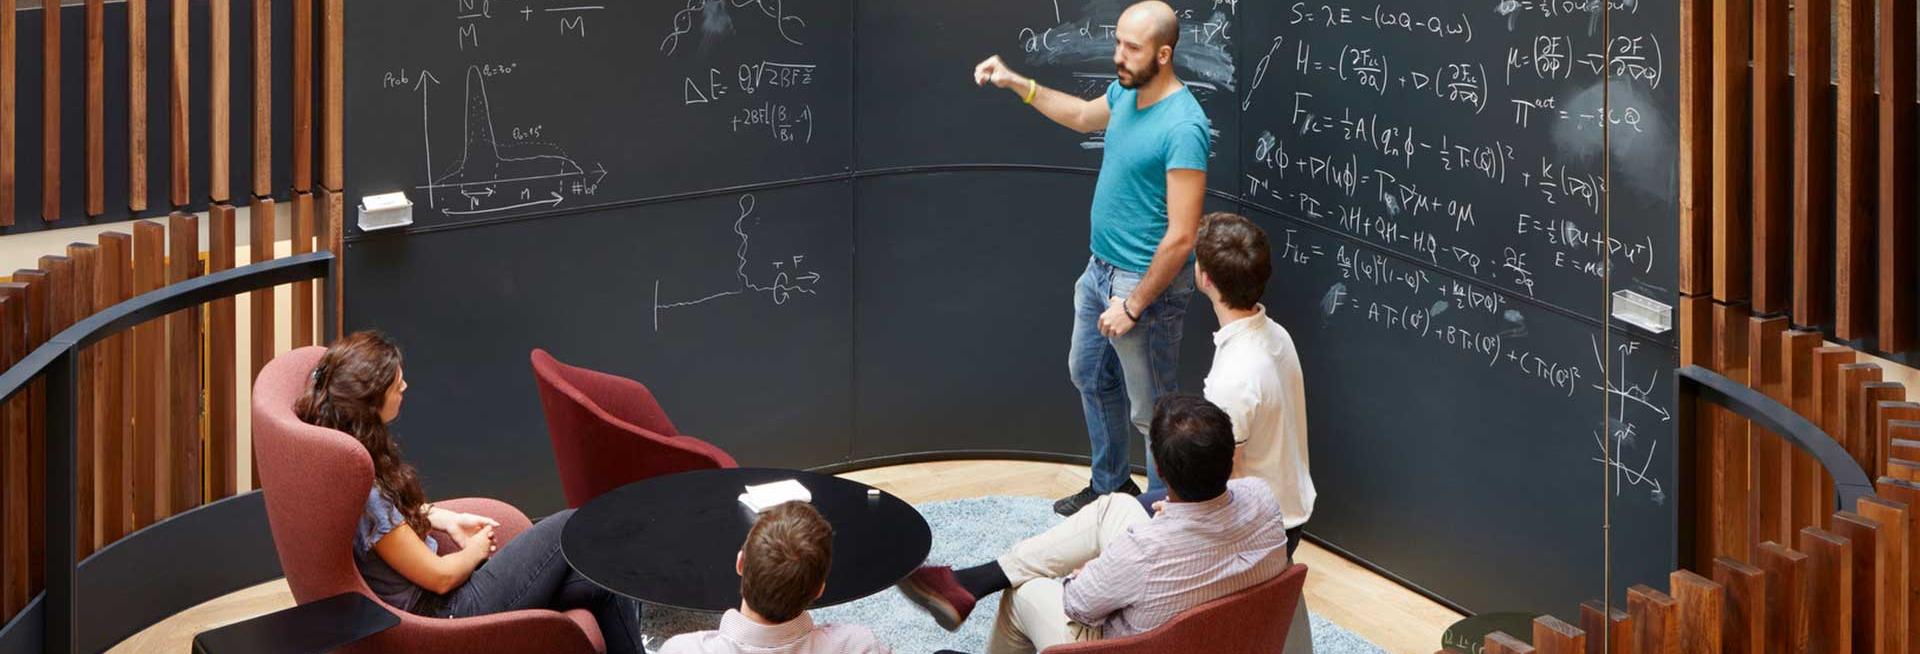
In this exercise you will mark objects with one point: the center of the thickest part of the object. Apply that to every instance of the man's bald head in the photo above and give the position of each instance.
(1156, 20)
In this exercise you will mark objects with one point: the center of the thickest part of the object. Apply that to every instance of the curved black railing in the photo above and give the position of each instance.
(56, 362)
(1850, 482)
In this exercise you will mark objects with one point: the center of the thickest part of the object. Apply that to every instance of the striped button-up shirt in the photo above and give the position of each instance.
(740, 635)
(1188, 555)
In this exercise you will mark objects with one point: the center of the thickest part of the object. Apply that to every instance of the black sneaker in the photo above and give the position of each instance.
(1071, 504)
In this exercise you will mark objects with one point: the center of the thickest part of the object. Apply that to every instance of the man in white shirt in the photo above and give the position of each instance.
(783, 569)
(1256, 376)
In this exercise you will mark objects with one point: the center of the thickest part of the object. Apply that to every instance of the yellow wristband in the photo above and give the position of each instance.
(1033, 89)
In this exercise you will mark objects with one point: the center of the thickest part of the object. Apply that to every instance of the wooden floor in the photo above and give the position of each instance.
(1377, 609)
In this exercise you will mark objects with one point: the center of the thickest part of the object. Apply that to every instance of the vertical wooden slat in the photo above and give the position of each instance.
(1896, 215)
(1813, 161)
(1853, 379)
(1895, 526)
(260, 302)
(1853, 281)
(181, 108)
(1655, 623)
(1745, 621)
(111, 388)
(302, 95)
(1500, 643)
(302, 304)
(1786, 569)
(1827, 361)
(1696, 158)
(1608, 631)
(1732, 448)
(1829, 590)
(263, 98)
(1888, 415)
(1881, 400)
(13, 484)
(1554, 636)
(86, 264)
(1696, 349)
(222, 423)
(333, 115)
(1772, 465)
(333, 230)
(1772, 160)
(1909, 495)
(137, 105)
(96, 108)
(183, 355)
(58, 312)
(1797, 367)
(149, 435)
(50, 114)
(220, 110)
(1869, 559)
(9, 76)
(37, 286)
(1702, 607)
(1732, 231)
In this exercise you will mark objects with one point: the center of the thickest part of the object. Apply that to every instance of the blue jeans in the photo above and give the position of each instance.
(1120, 378)
(530, 573)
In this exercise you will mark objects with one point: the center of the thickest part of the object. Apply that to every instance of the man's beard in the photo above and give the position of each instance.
(1138, 78)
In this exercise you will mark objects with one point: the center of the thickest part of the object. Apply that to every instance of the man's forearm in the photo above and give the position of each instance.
(1167, 261)
(1056, 106)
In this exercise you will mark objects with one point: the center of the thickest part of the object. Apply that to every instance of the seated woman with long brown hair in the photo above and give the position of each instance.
(356, 388)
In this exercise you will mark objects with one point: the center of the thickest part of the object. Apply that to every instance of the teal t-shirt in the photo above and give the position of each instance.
(1130, 200)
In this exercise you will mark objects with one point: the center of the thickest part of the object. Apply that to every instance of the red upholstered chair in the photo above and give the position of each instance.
(316, 482)
(607, 431)
(1252, 621)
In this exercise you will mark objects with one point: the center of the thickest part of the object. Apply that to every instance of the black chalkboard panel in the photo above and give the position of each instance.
(1471, 137)
(734, 310)
(918, 105)
(481, 110)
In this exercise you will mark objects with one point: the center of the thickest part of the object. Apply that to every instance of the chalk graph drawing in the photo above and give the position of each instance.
(790, 274)
(491, 177)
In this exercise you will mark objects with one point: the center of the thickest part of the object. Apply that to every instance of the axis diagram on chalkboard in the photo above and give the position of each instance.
(492, 175)
(790, 274)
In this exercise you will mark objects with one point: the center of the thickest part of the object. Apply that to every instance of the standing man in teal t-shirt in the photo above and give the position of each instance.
(1131, 303)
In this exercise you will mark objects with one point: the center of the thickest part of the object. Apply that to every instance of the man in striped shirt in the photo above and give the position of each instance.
(1111, 570)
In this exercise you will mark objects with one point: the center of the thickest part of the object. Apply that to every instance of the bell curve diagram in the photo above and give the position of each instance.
(491, 177)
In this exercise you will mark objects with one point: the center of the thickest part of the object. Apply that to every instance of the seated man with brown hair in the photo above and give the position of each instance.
(783, 569)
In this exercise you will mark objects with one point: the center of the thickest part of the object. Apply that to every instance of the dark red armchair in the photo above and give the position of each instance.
(315, 482)
(1252, 621)
(608, 431)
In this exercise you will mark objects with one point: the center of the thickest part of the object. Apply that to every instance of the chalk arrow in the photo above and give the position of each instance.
(812, 277)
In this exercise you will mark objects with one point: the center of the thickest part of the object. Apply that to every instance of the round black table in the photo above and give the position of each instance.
(671, 540)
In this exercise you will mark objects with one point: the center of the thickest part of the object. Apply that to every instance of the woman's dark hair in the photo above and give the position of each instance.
(345, 393)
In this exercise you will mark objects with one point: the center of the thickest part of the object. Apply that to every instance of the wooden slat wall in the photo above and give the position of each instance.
(1743, 626)
(1772, 463)
(1908, 495)
(149, 393)
(1731, 449)
(183, 369)
(86, 264)
(1813, 131)
(222, 420)
(1786, 606)
(13, 484)
(332, 232)
(1869, 559)
(261, 302)
(1896, 206)
(219, 105)
(36, 290)
(58, 312)
(333, 113)
(1701, 609)
(1608, 630)
(114, 389)
(180, 111)
(1655, 622)
(1797, 370)
(96, 107)
(1853, 379)
(1830, 588)
(1553, 636)
(1500, 643)
(1853, 185)
(1890, 415)
(50, 115)
(303, 33)
(263, 98)
(1732, 233)
(137, 105)
(1696, 159)
(1894, 529)
(302, 303)
(1772, 160)
(9, 96)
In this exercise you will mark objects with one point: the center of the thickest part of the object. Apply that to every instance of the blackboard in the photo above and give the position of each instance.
(1456, 402)
(494, 110)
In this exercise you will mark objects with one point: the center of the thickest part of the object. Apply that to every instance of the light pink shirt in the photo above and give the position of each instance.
(739, 634)
(1188, 555)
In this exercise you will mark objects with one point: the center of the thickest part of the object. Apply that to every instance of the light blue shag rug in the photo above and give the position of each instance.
(965, 532)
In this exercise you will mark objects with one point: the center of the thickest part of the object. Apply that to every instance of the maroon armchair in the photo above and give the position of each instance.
(1252, 621)
(316, 480)
(608, 431)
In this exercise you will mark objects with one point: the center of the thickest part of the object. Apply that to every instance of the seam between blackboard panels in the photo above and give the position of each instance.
(947, 168)
(853, 220)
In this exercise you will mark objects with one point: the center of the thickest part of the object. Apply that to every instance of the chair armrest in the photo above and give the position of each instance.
(511, 520)
(529, 631)
(709, 449)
